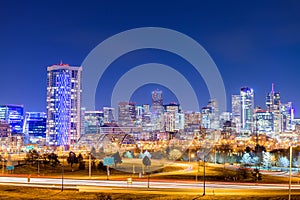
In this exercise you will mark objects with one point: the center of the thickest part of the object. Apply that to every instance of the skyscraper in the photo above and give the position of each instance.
(247, 108)
(14, 116)
(273, 105)
(63, 104)
(109, 114)
(157, 102)
(126, 113)
(236, 111)
(93, 120)
(35, 127)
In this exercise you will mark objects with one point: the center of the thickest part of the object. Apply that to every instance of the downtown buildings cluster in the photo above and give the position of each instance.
(66, 122)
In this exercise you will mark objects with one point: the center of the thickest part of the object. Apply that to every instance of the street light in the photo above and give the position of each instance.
(203, 175)
(90, 165)
(62, 174)
(290, 175)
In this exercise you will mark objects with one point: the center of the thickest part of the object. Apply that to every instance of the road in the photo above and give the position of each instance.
(77, 183)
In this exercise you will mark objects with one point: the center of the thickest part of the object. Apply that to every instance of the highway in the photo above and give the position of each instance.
(79, 183)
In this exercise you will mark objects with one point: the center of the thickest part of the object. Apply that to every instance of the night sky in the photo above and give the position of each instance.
(253, 43)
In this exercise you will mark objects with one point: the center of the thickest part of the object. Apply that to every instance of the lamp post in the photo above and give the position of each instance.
(203, 175)
(90, 165)
(62, 174)
(290, 175)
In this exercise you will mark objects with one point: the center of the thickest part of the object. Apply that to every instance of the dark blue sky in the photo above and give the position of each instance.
(253, 43)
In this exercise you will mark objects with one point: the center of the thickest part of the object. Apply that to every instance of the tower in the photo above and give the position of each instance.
(247, 108)
(63, 104)
(157, 102)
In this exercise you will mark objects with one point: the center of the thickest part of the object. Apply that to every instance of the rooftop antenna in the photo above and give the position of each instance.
(273, 88)
(61, 63)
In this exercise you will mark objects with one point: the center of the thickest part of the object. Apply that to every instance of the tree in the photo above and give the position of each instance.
(246, 159)
(174, 154)
(53, 159)
(32, 156)
(128, 154)
(249, 159)
(81, 162)
(283, 162)
(267, 160)
(256, 175)
(117, 158)
(72, 159)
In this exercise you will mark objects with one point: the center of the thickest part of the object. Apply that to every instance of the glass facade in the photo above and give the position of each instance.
(63, 104)
(35, 126)
(93, 120)
(14, 116)
(247, 108)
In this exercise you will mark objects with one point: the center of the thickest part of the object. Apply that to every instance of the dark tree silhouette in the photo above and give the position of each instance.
(117, 158)
(72, 159)
(53, 158)
(81, 162)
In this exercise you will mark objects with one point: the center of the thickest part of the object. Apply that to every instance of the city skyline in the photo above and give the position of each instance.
(257, 47)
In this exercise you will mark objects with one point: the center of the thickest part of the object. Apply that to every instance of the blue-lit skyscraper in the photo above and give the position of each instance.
(35, 127)
(63, 104)
(14, 116)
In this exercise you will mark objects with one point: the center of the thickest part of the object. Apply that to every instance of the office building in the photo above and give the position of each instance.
(109, 114)
(127, 113)
(157, 102)
(247, 109)
(93, 120)
(35, 127)
(14, 116)
(63, 104)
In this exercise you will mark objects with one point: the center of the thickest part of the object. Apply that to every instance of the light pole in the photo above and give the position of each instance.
(38, 165)
(90, 165)
(3, 164)
(62, 174)
(203, 175)
(290, 175)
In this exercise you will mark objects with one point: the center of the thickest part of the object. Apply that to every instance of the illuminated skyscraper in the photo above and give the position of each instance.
(236, 111)
(63, 104)
(263, 121)
(126, 114)
(109, 114)
(157, 102)
(273, 105)
(287, 112)
(247, 108)
(14, 116)
(35, 127)
(273, 100)
(93, 120)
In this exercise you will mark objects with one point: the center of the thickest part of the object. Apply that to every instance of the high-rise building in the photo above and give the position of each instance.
(207, 117)
(63, 104)
(273, 100)
(14, 116)
(109, 114)
(5, 135)
(210, 115)
(126, 113)
(263, 121)
(157, 102)
(93, 120)
(236, 111)
(247, 108)
(35, 127)
(287, 113)
(273, 105)
(192, 118)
